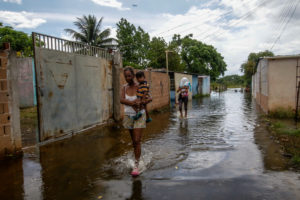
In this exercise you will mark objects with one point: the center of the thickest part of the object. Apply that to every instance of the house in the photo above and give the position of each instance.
(276, 82)
(199, 85)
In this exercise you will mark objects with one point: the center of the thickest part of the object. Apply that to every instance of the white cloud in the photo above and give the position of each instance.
(66, 36)
(56, 16)
(21, 19)
(14, 1)
(111, 3)
(236, 28)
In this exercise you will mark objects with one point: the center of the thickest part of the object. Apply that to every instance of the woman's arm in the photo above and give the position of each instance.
(123, 100)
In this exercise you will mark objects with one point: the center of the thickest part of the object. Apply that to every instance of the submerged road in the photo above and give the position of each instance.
(213, 154)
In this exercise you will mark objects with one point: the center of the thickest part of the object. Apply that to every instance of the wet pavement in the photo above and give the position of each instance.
(221, 151)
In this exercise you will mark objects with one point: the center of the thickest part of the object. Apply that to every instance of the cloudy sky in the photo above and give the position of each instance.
(234, 27)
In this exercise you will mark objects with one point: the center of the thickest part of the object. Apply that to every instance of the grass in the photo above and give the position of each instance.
(235, 86)
(296, 160)
(28, 116)
(200, 95)
(288, 134)
(282, 113)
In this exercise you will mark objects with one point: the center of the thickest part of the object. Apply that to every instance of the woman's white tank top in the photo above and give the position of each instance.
(128, 109)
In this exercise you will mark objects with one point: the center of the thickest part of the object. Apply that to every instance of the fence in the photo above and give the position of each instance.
(62, 45)
(74, 86)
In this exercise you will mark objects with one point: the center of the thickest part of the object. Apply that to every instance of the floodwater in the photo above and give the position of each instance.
(221, 151)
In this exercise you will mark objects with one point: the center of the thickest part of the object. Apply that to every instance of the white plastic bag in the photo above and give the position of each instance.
(184, 82)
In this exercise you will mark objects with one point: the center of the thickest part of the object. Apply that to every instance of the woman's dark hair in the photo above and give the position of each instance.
(127, 68)
(140, 74)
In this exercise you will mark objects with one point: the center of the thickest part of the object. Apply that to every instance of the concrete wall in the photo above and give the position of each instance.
(260, 86)
(25, 82)
(274, 84)
(159, 89)
(282, 83)
(10, 133)
(178, 77)
(75, 92)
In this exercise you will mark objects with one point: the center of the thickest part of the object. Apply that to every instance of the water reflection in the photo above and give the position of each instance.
(11, 176)
(216, 142)
(136, 190)
(33, 184)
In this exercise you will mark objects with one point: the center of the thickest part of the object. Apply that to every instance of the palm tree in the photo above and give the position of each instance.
(90, 32)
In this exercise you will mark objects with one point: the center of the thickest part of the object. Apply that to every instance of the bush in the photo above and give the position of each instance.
(133, 65)
(282, 113)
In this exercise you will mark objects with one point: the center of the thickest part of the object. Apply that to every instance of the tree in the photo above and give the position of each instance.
(175, 62)
(90, 32)
(231, 81)
(142, 40)
(156, 53)
(133, 43)
(19, 41)
(201, 58)
(250, 66)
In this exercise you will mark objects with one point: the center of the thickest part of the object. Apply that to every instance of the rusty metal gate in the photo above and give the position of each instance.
(74, 86)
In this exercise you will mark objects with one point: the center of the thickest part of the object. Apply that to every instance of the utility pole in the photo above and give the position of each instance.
(167, 65)
(167, 58)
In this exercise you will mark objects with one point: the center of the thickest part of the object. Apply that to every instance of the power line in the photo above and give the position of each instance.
(206, 20)
(243, 17)
(285, 25)
(287, 10)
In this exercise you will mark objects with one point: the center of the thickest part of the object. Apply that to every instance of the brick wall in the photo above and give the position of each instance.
(10, 140)
(159, 88)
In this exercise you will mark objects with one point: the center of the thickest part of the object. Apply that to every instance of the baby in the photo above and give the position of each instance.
(142, 96)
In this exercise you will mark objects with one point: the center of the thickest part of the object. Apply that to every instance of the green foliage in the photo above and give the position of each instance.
(288, 135)
(185, 54)
(250, 66)
(282, 113)
(133, 43)
(90, 32)
(200, 96)
(156, 53)
(202, 58)
(296, 160)
(19, 41)
(278, 125)
(131, 64)
(231, 80)
(175, 61)
(28, 116)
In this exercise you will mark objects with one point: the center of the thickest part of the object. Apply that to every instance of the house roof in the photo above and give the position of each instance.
(281, 57)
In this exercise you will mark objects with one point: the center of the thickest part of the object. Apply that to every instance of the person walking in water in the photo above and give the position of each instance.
(135, 127)
(183, 98)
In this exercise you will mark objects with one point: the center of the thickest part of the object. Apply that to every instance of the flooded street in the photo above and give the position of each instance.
(216, 153)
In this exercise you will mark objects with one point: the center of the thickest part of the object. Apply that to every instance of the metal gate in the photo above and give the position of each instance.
(74, 86)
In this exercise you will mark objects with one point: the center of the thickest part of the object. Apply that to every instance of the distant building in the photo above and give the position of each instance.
(199, 85)
(276, 81)
(203, 87)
